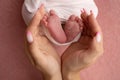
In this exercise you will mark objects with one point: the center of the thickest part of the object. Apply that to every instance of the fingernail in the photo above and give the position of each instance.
(29, 37)
(81, 11)
(42, 6)
(98, 36)
(91, 12)
(84, 10)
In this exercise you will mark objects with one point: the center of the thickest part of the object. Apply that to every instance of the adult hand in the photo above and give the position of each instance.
(81, 54)
(40, 51)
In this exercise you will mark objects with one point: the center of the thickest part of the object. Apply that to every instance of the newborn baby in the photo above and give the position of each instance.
(60, 25)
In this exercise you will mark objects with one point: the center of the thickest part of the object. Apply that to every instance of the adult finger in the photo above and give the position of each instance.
(84, 15)
(35, 22)
(97, 42)
(93, 24)
(28, 52)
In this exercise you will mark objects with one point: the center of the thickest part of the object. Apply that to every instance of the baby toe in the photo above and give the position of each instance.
(52, 12)
(44, 21)
(72, 18)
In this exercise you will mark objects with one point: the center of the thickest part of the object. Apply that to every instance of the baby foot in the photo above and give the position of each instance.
(53, 24)
(72, 27)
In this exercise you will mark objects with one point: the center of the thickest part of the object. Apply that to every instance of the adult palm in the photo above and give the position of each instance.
(40, 51)
(89, 47)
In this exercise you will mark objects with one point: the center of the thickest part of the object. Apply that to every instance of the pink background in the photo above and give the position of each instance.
(14, 63)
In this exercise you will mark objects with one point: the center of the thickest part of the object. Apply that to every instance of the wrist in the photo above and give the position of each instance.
(57, 76)
(71, 75)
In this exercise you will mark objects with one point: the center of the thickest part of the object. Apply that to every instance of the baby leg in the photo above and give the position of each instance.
(53, 24)
(72, 27)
